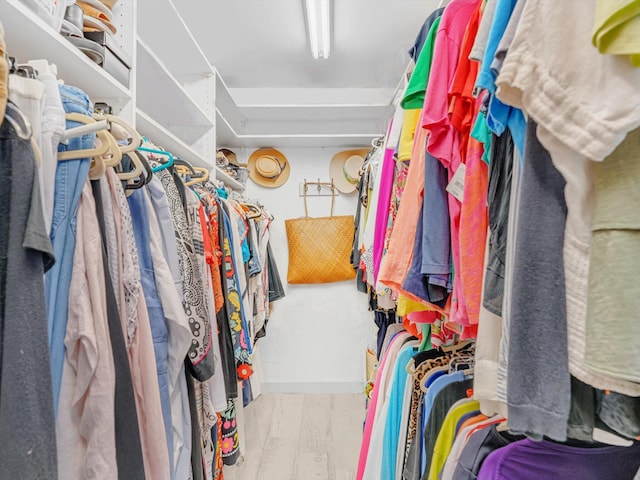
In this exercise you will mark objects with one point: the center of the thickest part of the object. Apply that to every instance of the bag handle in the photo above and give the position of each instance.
(320, 184)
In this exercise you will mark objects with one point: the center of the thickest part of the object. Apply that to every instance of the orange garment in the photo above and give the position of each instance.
(472, 421)
(397, 261)
(474, 224)
(485, 424)
(213, 255)
(412, 328)
(216, 276)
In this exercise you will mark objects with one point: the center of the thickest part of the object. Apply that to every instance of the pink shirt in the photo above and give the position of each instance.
(382, 210)
(444, 139)
(86, 416)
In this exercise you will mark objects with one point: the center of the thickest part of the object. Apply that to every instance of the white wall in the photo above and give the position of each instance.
(317, 335)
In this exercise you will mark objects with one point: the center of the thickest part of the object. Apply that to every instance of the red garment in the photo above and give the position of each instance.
(213, 241)
(462, 106)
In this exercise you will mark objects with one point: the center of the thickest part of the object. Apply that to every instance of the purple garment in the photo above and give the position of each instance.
(529, 460)
(382, 211)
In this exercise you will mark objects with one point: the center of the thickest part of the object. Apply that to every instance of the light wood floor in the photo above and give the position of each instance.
(301, 437)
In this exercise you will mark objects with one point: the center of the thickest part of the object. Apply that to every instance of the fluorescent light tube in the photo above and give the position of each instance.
(319, 27)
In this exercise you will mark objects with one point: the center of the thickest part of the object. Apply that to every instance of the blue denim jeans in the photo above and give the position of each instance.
(70, 178)
(159, 331)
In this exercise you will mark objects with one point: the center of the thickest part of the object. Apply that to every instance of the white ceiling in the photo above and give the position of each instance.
(261, 46)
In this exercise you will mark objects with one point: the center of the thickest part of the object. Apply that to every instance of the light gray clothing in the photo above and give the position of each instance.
(507, 37)
(613, 301)
(482, 37)
(512, 228)
(163, 213)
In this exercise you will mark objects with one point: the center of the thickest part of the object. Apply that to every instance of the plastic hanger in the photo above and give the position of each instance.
(458, 346)
(144, 179)
(253, 210)
(183, 167)
(202, 176)
(98, 168)
(147, 168)
(159, 152)
(429, 374)
(102, 134)
(114, 156)
(136, 172)
(197, 174)
(133, 135)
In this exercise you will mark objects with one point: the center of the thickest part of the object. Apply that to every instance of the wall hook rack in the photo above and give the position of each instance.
(318, 189)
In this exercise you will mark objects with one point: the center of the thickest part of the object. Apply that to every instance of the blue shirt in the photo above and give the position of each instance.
(394, 416)
(436, 386)
(500, 116)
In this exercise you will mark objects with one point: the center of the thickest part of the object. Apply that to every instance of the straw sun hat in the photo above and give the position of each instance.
(345, 167)
(268, 167)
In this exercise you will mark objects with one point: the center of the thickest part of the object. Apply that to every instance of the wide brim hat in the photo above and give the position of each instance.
(345, 169)
(268, 167)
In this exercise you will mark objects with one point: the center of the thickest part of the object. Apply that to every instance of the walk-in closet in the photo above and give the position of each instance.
(319, 239)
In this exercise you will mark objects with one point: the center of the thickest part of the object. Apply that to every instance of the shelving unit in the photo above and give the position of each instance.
(172, 40)
(168, 102)
(177, 98)
(73, 65)
(161, 136)
(150, 128)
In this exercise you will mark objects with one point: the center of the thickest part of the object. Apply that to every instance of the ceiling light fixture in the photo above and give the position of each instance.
(319, 27)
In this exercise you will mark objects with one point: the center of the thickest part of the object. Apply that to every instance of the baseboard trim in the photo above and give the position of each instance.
(313, 387)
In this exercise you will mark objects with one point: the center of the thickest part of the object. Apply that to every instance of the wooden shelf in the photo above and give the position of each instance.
(159, 135)
(164, 99)
(74, 67)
